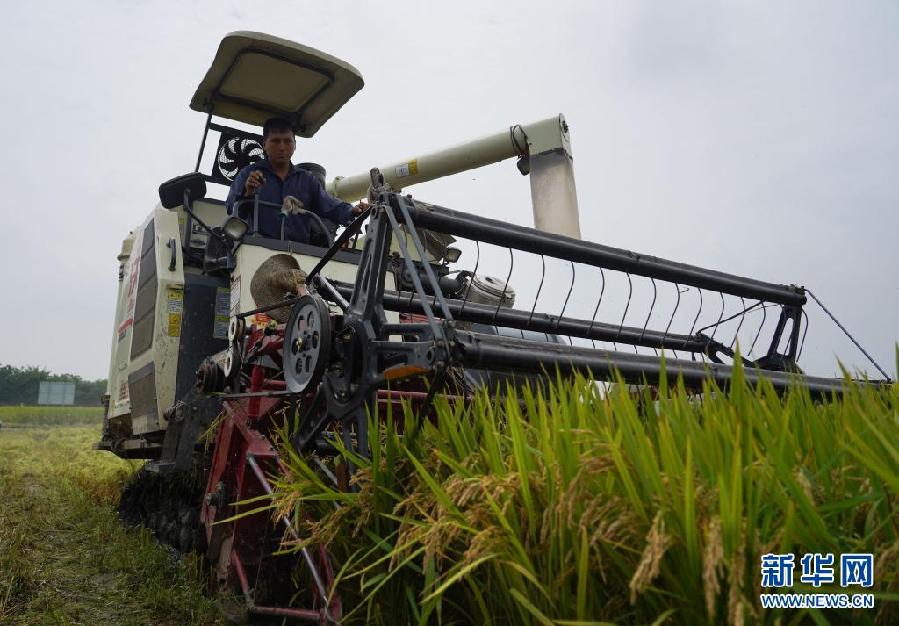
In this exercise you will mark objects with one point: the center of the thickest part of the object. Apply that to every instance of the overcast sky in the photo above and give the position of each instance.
(757, 138)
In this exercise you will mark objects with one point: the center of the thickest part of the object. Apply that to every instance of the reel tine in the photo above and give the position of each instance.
(804, 333)
(630, 292)
(693, 326)
(602, 289)
(474, 274)
(720, 317)
(698, 313)
(539, 288)
(742, 317)
(759, 331)
(652, 306)
(671, 320)
(506, 284)
(565, 304)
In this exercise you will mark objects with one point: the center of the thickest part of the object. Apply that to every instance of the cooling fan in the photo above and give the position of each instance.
(235, 153)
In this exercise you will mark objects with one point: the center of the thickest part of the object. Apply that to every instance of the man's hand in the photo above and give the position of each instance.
(254, 182)
(361, 207)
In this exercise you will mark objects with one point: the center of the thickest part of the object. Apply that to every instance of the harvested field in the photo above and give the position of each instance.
(50, 415)
(64, 556)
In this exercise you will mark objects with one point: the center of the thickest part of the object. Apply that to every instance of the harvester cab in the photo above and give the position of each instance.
(190, 272)
(221, 330)
(186, 270)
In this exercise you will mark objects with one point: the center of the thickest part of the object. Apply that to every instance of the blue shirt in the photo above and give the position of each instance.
(300, 184)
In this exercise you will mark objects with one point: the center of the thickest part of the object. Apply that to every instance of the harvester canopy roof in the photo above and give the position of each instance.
(255, 76)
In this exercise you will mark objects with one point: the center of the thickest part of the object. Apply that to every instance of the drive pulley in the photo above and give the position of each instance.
(307, 343)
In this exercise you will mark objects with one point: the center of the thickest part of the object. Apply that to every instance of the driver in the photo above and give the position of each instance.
(275, 178)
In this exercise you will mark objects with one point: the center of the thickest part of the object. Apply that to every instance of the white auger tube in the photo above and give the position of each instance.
(544, 148)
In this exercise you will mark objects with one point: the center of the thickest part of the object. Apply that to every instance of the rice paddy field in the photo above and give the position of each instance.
(64, 557)
(574, 507)
(566, 506)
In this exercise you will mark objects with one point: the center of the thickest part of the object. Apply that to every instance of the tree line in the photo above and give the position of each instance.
(19, 385)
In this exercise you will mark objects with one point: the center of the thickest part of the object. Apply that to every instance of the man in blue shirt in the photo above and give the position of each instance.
(274, 178)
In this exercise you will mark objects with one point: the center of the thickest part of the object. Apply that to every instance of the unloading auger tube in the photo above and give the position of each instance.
(363, 354)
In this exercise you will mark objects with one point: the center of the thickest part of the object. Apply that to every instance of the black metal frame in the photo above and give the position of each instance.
(363, 355)
(364, 358)
(790, 297)
(256, 203)
(404, 302)
(509, 353)
(503, 234)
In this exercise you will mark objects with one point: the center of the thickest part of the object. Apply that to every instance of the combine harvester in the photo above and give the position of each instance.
(211, 329)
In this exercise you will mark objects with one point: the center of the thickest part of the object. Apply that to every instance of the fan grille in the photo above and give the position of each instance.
(234, 154)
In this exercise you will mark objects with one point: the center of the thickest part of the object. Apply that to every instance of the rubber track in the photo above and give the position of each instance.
(166, 504)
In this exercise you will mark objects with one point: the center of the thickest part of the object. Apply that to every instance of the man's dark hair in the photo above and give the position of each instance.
(276, 125)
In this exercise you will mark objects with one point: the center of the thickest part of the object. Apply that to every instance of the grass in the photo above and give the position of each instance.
(64, 557)
(571, 507)
(50, 415)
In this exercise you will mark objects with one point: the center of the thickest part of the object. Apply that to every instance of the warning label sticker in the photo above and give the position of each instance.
(174, 308)
(222, 301)
(175, 301)
(222, 313)
(174, 329)
(235, 296)
(406, 169)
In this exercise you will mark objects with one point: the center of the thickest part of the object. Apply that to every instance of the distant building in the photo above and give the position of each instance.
(56, 393)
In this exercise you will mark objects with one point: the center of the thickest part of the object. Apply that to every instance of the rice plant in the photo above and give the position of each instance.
(568, 505)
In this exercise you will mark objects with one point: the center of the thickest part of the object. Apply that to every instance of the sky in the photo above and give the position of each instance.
(755, 138)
